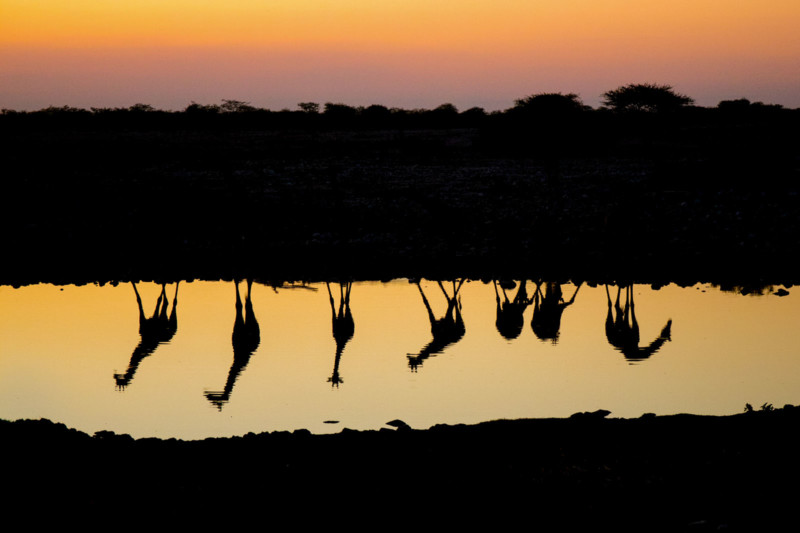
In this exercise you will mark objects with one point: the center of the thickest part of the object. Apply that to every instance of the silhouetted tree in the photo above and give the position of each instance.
(55, 110)
(339, 110)
(141, 108)
(309, 107)
(376, 113)
(236, 106)
(339, 115)
(446, 110)
(549, 104)
(734, 105)
(197, 109)
(546, 123)
(474, 112)
(648, 97)
(443, 116)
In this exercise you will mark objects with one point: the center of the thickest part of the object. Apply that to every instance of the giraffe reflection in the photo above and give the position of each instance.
(153, 331)
(245, 339)
(446, 330)
(622, 331)
(548, 309)
(343, 326)
(509, 312)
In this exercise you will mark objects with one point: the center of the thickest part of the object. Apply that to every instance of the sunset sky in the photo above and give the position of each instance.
(409, 53)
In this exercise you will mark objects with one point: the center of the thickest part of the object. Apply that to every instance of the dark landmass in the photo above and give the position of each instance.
(692, 195)
(665, 473)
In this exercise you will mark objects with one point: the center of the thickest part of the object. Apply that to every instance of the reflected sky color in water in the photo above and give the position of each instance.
(61, 347)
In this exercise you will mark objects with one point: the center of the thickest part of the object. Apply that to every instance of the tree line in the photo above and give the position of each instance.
(628, 101)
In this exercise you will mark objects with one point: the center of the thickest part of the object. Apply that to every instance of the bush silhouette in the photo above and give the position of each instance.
(548, 104)
(309, 107)
(646, 97)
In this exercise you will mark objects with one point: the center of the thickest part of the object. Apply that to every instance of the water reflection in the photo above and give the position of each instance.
(548, 309)
(730, 350)
(245, 339)
(622, 330)
(510, 312)
(154, 331)
(446, 330)
(343, 327)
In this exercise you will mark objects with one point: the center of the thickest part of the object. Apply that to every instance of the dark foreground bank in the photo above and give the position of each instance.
(673, 473)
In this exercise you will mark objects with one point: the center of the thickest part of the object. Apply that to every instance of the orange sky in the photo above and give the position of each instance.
(409, 53)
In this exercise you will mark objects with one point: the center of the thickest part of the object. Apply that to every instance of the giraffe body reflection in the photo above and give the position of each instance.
(510, 318)
(446, 330)
(548, 308)
(622, 328)
(245, 340)
(343, 326)
(154, 331)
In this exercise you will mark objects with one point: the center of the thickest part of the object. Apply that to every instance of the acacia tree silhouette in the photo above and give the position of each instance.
(309, 107)
(236, 106)
(545, 105)
(648, 97)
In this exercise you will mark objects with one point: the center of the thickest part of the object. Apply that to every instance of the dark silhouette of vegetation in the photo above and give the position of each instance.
(541, 122)
(309, 107)
(236, 106)
(549, 105)
(547, 182)
(648, 97)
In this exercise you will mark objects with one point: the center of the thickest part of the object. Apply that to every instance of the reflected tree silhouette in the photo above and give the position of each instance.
(157, 329)
(446, 330)
(343, 327)
(510, 321)
(548, 308)
(245, 339)
(622, 328)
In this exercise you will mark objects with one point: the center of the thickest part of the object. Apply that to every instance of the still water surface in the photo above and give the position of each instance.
(85, 356)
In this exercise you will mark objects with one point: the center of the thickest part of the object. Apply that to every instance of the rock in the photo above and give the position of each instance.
(399, 424)
(596, 415)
